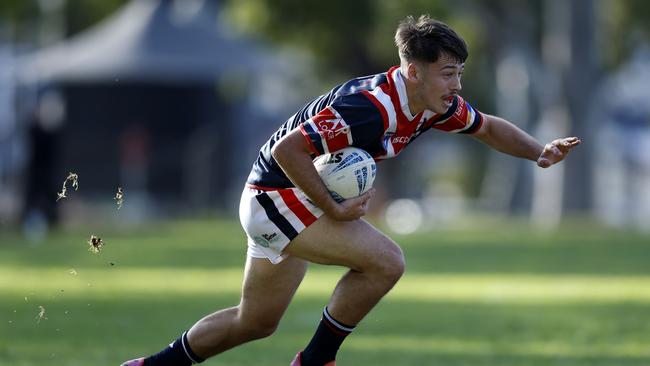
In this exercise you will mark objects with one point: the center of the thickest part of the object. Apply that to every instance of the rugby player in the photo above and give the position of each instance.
(290, 218)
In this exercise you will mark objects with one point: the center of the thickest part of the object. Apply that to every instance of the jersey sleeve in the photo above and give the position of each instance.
(460, 118)
(349, 120)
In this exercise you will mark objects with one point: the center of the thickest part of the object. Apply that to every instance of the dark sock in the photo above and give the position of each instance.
(177, 354)
(326, 341)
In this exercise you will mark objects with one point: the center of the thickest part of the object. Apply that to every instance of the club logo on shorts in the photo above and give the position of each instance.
(261, 241)
(266, 239)
(270, 237)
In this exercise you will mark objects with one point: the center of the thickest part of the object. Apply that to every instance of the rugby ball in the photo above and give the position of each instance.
(347, 173)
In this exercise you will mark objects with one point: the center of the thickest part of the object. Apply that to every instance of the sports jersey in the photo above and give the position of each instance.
(370, 113)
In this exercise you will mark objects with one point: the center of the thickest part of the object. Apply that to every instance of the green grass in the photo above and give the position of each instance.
(497, 295)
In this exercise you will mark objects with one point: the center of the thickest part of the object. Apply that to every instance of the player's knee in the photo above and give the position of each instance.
(265, 330)
(260, 328)
(395, 266)
(390, 264)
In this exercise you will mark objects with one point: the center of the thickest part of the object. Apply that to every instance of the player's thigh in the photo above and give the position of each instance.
(354, 244)
(268, 288)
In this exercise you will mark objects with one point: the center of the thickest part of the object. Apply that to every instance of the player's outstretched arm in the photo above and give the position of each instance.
(504, 136)
(292, 153)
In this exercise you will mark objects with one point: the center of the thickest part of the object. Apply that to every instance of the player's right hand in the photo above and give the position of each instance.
(556, 150)
(352, 208)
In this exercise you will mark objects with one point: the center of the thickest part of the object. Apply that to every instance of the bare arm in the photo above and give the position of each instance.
(292, 153)
(503, 136)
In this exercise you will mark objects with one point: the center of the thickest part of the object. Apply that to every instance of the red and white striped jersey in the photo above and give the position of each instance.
(370, 113)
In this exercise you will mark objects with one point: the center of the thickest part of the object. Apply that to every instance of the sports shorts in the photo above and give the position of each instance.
(272, 218)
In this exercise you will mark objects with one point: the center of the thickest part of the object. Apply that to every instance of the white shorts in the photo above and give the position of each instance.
(272, 218)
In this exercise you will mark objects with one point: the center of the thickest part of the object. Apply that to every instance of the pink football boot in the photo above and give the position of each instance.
(296, 361)
(136, 362)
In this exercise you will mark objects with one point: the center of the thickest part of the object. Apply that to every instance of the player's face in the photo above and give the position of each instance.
(438, 83)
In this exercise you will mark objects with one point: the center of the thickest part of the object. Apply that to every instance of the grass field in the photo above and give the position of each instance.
(496, 295)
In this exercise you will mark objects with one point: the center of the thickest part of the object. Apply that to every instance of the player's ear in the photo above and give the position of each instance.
(412, 71)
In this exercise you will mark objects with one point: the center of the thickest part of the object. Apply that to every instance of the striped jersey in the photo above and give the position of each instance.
(370, 113)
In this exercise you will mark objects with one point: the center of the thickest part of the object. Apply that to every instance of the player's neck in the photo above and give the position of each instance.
(414, 101)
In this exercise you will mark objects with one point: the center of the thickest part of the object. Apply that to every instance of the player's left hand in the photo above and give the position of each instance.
(555, 151)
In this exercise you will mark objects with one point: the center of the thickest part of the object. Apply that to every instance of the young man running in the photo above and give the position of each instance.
(290, 218)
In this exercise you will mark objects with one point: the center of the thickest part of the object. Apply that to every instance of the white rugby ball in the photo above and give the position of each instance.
(347, 173)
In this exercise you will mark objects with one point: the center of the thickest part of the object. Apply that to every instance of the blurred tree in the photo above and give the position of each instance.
(348, 38)
(336, 29)
(24, 17)
(17, 17)
(81, 14)
(345, 37)
(330, 30)
(626, 24)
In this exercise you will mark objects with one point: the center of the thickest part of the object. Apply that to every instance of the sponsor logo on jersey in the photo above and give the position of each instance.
(401, 140)
(461, 105)
(461, 111)
(334, 132)
(330, 126)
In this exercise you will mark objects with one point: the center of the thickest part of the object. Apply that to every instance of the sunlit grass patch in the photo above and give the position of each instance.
(498, 296)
